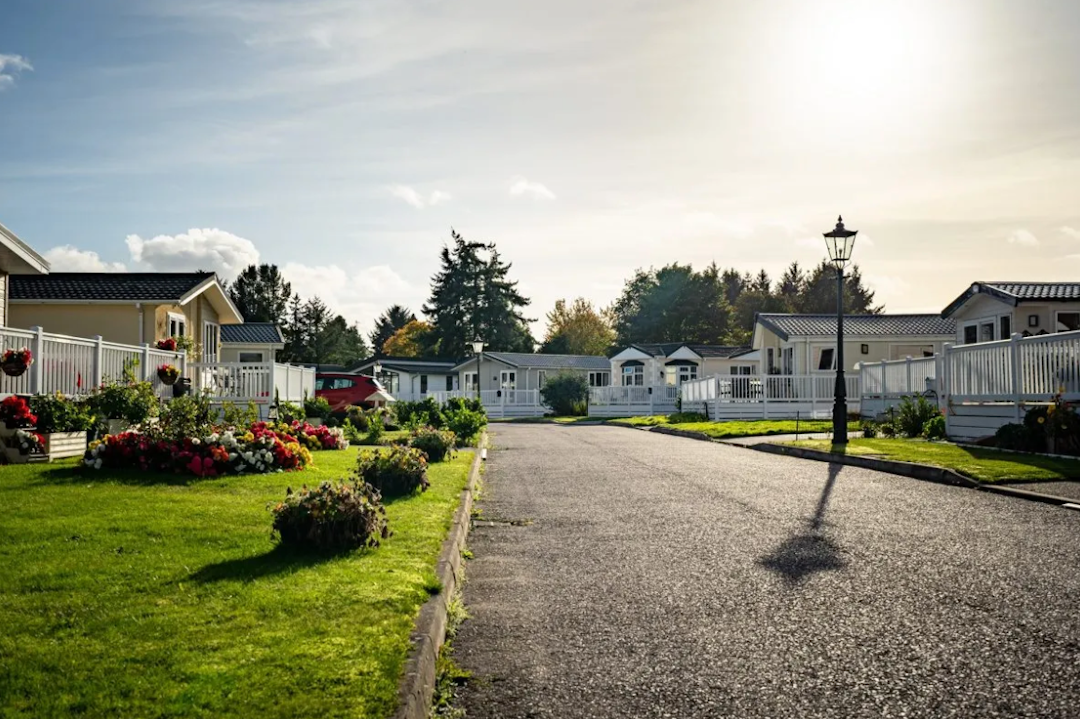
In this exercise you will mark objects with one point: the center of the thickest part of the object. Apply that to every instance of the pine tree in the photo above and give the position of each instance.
(261, 294)
(819, 295)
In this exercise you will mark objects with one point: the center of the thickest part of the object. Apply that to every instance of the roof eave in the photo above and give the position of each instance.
(35, 262)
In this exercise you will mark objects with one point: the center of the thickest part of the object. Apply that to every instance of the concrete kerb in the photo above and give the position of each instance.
(926, 473)
(417, 685)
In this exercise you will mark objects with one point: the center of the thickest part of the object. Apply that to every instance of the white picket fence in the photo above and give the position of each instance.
(767, 396)
(75, 365)
(981, 386)
(629, 401)
(500, 403)
(260, 383)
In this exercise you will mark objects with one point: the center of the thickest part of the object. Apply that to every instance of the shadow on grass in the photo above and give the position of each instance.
(279, 560)
(78, 474)
(811, 551)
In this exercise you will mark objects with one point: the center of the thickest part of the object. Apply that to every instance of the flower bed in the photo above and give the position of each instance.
(211, 456)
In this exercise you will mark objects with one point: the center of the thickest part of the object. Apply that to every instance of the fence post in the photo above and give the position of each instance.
(910, 383)
(765, 397)
(37, 369)
(884, 386)
(97, 376)
(1017, 375)
(945, 388)
(145, 362)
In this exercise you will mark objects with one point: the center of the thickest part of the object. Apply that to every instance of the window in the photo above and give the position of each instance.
(177, 325)
(471, 382)
(541, 377)
(599, 379)
(744, 370)
(1068, 321)
(1005, 323)
(210, 342)
(341, 383)
(864, 349)
(827, 359)
(251, 356)
(787, 355)
(633, 375)
(508, 379)
(687, 373)
(971, 334)
(986, 332)
(423, 384)
(321, 383)
(771, 364)
(449, 383)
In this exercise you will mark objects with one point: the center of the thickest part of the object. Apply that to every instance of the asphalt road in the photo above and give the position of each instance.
(656, 576)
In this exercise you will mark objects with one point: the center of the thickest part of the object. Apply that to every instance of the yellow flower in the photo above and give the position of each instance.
(1042, 420)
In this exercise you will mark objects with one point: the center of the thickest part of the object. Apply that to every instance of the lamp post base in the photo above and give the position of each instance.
(839, 421)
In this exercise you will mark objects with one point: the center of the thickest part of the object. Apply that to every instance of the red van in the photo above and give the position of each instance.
(343, 390)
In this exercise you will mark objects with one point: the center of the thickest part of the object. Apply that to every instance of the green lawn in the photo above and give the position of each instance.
(983, 464)
(389, 437)
(146, 595)
(728, 430)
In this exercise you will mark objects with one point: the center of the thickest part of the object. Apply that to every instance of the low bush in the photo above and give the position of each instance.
(133, 402)
(436, 444)
(352, 434)
(422, 413)
(331, 518)
(1020, 437)
(565, 393)
(233, 415)
(869, 429)
(466, 424)
(56, 413)
(183, 418)
(935, 428)
(398, 473)
(375, 431)
(686, 417)
(455, 404)
(316, 408)
(913, 414)
(290, 412)
(888, 429)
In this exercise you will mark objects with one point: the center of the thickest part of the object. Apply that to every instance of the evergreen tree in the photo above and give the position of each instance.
(792, 285)
(388, 323)
(261, 294)
(734, 285)
(819, 295)
(472, 296)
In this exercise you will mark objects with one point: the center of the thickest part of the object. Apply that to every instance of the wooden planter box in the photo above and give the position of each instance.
(59, 445)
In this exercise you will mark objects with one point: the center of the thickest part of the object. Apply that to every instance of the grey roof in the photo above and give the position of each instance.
(1015, 292)
(411, 365)
(666, 349)
(252, 333)
(105, 286)
(545, 361)
(787, 326)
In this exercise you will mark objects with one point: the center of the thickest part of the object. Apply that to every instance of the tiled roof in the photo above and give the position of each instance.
(252, 333)
(543, 361)
(787, 326)
(1016, 292)
(105, 286)
(411, 365)
(712, 351)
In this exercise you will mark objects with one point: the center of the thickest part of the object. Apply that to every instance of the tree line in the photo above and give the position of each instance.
(472, 297)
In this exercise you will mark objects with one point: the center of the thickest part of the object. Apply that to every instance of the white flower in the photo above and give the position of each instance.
(240, 467)
(195, 441)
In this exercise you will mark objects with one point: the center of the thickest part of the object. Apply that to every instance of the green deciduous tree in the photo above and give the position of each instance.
(412, 340)
(672, 304)
(577, 329)
(472, 296)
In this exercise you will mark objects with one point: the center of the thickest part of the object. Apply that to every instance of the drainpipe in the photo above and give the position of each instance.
(142, 325)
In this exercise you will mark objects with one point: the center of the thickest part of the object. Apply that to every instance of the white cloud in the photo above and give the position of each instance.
(1023, 237)
(359, 295)
(213, 250)
(10, 67)
(68, 258)
(1071, 232)
(521, 186)
(414, 198)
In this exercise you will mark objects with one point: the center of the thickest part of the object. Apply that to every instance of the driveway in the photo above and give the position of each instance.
(631, 574)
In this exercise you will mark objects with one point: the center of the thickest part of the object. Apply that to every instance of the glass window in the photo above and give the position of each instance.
(633, 376)
(986, 332)
(1006, 327)
(210, 342)
(1068, 321)
(177, 325)
(470, 381)
(449, 383)
(971, 334)
(771, 366)
(687, 373)
(423, 383)
(251, 357)
(788, 355)
(598, 379)
(321, 383)
(340, 383)
(827, 359)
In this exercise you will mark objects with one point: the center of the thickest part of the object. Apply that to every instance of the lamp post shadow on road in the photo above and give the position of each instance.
(811, 550)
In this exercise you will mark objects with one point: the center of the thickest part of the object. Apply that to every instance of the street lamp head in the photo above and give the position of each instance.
(477, 346)
(840, 242)
(376, 369)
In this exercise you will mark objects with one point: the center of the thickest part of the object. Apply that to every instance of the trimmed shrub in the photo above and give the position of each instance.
(437, 444)
(455, 404)
(686, 417)
(466, 424)
(331, 518)
(233, 415)
(316, 407)
(935, 428)
(352, 434)
(184, 417)
(869, 429)
(913, 414)
(1020, 437)
(133, 402)
(56, 413)
(565, 392)
(423, 413)
(888, 429)
(398, 473)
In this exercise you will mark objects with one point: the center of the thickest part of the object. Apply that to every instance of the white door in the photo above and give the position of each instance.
(508, 383)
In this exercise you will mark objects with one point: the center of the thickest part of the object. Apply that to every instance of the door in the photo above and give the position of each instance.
(508, 383)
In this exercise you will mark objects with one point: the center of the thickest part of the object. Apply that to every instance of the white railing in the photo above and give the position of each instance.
(899, 378)
(633, 395)
(75, 365)
(499, 402)
(260, 383)
(753, 389)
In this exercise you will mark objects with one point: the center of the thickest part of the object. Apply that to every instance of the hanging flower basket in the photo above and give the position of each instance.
(14, 363)
(168, 344)
(168, 374)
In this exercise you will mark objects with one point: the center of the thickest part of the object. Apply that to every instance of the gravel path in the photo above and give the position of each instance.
(654, 576)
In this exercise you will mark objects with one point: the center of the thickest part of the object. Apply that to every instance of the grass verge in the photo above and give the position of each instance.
(148, 595)
(983, 464)
(730, 430)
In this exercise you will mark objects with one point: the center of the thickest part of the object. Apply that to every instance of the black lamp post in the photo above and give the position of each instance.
(478, 348)
(840, 242)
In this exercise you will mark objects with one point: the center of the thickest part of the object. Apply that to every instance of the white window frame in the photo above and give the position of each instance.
(472, 381)
(176, 324)
(508, 379)
(1058, 314)
(635, 374)
(210, 342)
(992, 324)
(787, 360)
(599, 379)
(687, 373)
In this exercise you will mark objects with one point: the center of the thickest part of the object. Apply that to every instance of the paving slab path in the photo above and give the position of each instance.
(633, 574)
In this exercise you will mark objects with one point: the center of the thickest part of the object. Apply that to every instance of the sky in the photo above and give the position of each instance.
(342, 140)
